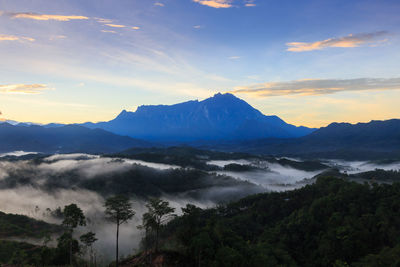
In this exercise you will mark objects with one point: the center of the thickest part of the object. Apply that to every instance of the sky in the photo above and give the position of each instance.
(310, 62)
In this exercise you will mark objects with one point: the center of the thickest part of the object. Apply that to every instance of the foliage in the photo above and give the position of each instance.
(88, 239)
(159, 212)
(22, 226)
(73, 216)
(330, 223)
(119, 209)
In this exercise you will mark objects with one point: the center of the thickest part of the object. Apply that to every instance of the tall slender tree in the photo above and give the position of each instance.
(73, 217)
(118, 210)
(159, 212)
(88, 239)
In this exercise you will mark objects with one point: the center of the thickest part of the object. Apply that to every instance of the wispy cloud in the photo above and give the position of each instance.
(135, 28)
(226, 3)
(6, 37)
(102, 20)
(158, 4)
(351, 40)
(234, 57)
(215, 3)
(250, 3)
(36, 16)
(318, 86)
(57, 37)
(115, 25)
(23, 88)
(108, 31)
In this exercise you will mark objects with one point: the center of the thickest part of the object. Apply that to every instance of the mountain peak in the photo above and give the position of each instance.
(222, 116)
(224, 95)
(123, 114)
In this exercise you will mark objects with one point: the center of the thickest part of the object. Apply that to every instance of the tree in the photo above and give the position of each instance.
(118, 210)
(73, 217)
(88, 239)
(159, 212)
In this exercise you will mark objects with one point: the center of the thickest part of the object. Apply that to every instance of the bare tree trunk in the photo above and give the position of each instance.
(70, 251)
(116, 252)
(157, 230)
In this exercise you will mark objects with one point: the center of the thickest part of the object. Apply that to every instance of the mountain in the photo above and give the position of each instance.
(64, 139)
(373, 140)
(221, 117)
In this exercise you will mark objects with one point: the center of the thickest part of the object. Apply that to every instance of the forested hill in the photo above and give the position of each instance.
(330, 223)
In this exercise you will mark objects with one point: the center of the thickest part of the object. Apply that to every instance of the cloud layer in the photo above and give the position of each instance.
(318, 86)
(36, 16)
(6, 37)
(215, 3)
(351, 40)
(224, 3)
(23, 88)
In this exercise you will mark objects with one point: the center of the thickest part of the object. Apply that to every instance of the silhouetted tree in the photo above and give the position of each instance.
(159, 212)
(73, 217)
(118, 210)
(88, 239)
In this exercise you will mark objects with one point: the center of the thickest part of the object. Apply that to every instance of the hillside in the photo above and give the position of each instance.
(330, 223)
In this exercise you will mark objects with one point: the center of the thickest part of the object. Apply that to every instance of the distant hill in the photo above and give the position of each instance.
(373, 140)
(221, 117)
(64, 139)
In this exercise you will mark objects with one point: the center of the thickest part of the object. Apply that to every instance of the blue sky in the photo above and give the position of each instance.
(309, 62)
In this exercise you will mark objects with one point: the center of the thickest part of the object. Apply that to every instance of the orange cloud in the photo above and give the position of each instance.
(215, 3)
(46, 17)
(348, 41)
(318, 86)
(115, 25)
(5, 37)
(23, 88)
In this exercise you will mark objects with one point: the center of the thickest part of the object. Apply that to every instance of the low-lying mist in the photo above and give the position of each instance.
(35, 187)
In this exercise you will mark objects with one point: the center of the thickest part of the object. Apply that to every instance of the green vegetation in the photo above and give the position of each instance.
(234, 167)
(88, 240)
(159, 212)
(330, 223)
(24, 227)
(186, 156)
(379, 175)
(73, 217)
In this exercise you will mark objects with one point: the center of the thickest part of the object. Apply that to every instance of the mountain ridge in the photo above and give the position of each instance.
(221, 117)
(63, 139)
(361, 141)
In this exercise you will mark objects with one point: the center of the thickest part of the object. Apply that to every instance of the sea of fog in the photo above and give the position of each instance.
(34, 200)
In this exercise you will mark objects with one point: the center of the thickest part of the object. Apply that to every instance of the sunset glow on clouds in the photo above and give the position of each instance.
(46, 17)
(215, 3)
(23, 88)
(6, 37)
(318, 87)
(352, 40)
(285, 59)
